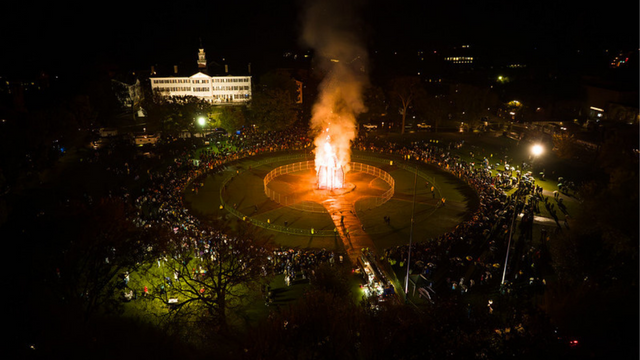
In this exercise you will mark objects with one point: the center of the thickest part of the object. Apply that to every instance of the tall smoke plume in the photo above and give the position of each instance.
(333, 30)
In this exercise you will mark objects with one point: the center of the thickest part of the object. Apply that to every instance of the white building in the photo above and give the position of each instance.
(227, 89)
(217, 89)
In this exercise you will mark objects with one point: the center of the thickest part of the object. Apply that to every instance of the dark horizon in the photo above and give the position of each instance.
(137, 36)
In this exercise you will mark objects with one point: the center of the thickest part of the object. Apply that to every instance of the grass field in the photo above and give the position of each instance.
(246, 192)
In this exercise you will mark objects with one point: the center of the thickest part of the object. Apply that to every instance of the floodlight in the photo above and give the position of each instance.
(537, 150)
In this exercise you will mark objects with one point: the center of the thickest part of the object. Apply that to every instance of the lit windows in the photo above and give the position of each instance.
(459, 59)
(225, 88)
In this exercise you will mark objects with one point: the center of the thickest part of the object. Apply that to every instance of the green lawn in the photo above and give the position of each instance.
(245, 192)
(431, 220)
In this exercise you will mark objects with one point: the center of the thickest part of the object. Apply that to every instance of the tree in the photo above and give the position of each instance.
(273, 109)
(187, 110)
(273, 105)
(154, 102)
(280, 79)
(435, 107)
(605, 236)
(210, 277)
(375, 101)
(472, 103)
(596, 262)
(175, 114)
(406, 90)
(323, 324)
(98, 245)
(564, 145)
(596, 275)
(230, 118)
(617, 151)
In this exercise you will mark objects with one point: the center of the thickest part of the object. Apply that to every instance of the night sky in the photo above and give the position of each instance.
(132, 35)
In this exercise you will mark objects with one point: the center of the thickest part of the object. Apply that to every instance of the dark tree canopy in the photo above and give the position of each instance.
(273, 105)
(209, 276)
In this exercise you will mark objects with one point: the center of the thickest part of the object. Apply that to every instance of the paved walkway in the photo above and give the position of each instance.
(348, 226)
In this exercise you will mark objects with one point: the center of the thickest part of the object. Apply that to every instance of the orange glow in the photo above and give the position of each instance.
(329, 170)
(333, 121)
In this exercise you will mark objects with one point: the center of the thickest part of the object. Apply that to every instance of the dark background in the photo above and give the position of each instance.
(58, 37)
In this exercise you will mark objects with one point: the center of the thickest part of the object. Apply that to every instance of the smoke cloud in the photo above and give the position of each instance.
(333, 30)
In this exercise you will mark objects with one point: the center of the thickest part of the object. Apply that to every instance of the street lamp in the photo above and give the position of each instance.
(202, 121)
(537, 150)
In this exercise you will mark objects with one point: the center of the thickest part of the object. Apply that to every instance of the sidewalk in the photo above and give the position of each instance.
(349, 227)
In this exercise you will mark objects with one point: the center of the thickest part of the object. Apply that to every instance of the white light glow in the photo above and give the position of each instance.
(537, 150)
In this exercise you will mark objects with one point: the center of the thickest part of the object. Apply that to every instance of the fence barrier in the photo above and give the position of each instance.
(310, 206)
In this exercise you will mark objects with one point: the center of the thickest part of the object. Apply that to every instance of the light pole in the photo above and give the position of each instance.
(506, 258)
(202, 121)
(536, 150)
(406, 280)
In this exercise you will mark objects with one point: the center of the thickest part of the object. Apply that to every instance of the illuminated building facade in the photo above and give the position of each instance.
(459, 59)
(224, 89)
(459, 55)
(217, 89)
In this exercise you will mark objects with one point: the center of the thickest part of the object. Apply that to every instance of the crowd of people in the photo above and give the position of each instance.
(160, 202)
(473, 253)
(470, 255)
(162, 198)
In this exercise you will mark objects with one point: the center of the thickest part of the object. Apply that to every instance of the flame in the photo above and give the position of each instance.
(332, 29)
(329, 169)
